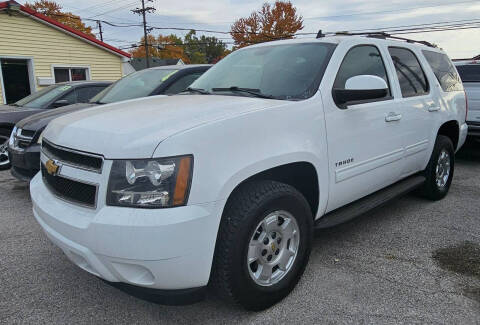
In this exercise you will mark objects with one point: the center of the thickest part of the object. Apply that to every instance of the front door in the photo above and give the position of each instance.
(16, 80)
(365, 145)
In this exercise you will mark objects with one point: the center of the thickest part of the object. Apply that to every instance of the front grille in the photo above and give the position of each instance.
(70, 190)
(80, 160)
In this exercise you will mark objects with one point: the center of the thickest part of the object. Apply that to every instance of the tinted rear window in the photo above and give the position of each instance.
(469, 73)
(413, 81)
(444, 70)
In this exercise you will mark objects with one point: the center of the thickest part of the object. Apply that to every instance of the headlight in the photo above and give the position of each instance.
(11, 141)
(150, 183)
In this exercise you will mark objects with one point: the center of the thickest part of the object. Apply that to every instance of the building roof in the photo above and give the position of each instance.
(140, 63)
(36, 15)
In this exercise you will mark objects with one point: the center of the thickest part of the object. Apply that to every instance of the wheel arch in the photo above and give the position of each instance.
(450, 129)
(302, 175)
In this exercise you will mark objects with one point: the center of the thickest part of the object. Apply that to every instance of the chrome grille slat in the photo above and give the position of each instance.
(74, 158)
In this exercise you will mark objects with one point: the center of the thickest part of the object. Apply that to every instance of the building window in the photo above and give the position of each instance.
(70, 74)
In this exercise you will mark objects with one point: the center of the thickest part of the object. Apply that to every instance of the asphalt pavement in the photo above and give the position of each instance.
(412, 261)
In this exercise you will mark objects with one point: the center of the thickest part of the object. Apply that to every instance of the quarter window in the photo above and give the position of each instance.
(413, 81)
(444, 70)
(361, 60)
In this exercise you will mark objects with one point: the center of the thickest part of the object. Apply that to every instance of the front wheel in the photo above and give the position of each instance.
(263, 244)
(4, 159)
(439, 171)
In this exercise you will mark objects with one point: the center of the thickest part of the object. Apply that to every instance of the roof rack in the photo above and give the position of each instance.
(381, 35)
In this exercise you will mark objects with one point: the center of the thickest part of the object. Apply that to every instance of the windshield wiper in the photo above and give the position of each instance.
(254, 92)
(198, 90)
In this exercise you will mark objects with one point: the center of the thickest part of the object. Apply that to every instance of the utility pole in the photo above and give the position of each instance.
(143, 12)
(99, 23)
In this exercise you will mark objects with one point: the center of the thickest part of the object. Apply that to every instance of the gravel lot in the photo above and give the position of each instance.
(378, 268)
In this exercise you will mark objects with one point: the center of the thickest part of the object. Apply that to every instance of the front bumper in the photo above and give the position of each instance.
(155, 248)
(25, 162)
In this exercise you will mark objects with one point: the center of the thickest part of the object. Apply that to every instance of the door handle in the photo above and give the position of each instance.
(392, 116)
(433, 108)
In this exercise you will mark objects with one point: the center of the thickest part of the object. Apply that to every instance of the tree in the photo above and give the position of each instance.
(206, 49)
(191, 49)
(279, 21)
(163, 47)
(54, 10)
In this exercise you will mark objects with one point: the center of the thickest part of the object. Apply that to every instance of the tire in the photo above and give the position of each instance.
(431, 189)
(233, 278)
(4, 159)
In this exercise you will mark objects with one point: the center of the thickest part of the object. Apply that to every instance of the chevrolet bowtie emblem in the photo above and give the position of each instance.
(52, 167)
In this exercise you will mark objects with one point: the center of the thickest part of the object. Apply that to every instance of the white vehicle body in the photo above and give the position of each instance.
(353, 152)
(470, 72)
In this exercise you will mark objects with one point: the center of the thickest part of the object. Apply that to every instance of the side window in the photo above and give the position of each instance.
(444, 70)
(71, 97)
(361, 60)
(469, 72)
(84, 94)
(182, 83)
(413, 81)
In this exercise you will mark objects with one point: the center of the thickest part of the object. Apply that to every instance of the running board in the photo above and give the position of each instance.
(369, 202)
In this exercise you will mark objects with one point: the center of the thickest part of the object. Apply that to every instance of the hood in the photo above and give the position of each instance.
(11, 114)
(134, 128)
(39, 121)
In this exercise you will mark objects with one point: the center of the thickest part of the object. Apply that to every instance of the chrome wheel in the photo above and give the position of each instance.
(4, 160)
(273, 248)
(442, 171)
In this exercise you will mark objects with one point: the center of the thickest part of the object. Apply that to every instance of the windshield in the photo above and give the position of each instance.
(41, 98)
(135, 85)
(290, 71)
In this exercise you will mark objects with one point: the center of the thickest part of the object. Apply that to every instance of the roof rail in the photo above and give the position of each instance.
(381, 35)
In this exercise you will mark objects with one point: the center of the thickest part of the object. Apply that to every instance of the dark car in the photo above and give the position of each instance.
(53, 96)
(24, 148)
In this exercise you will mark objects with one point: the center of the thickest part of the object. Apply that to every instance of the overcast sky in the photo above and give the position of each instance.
(328, 15)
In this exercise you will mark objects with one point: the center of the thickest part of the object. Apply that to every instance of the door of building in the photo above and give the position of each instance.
(16, 82)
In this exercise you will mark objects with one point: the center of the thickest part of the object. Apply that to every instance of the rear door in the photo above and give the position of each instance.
(418, 105)
(365, 148)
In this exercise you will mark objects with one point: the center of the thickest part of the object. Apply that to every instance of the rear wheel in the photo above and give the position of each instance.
(4, 160)
(263, 244)
(439, 171)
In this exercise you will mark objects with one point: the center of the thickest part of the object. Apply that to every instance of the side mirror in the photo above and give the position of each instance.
(360, 88)
(60, 103)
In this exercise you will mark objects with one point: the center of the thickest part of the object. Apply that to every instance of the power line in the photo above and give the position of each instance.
(390, 11)
(113, 10)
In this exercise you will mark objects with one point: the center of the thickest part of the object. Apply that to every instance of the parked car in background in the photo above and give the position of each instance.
(24, 148)
(469, 71)
(225, 185)
(54, 96)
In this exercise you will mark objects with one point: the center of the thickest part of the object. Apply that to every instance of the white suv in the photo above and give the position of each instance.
(225, 184)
